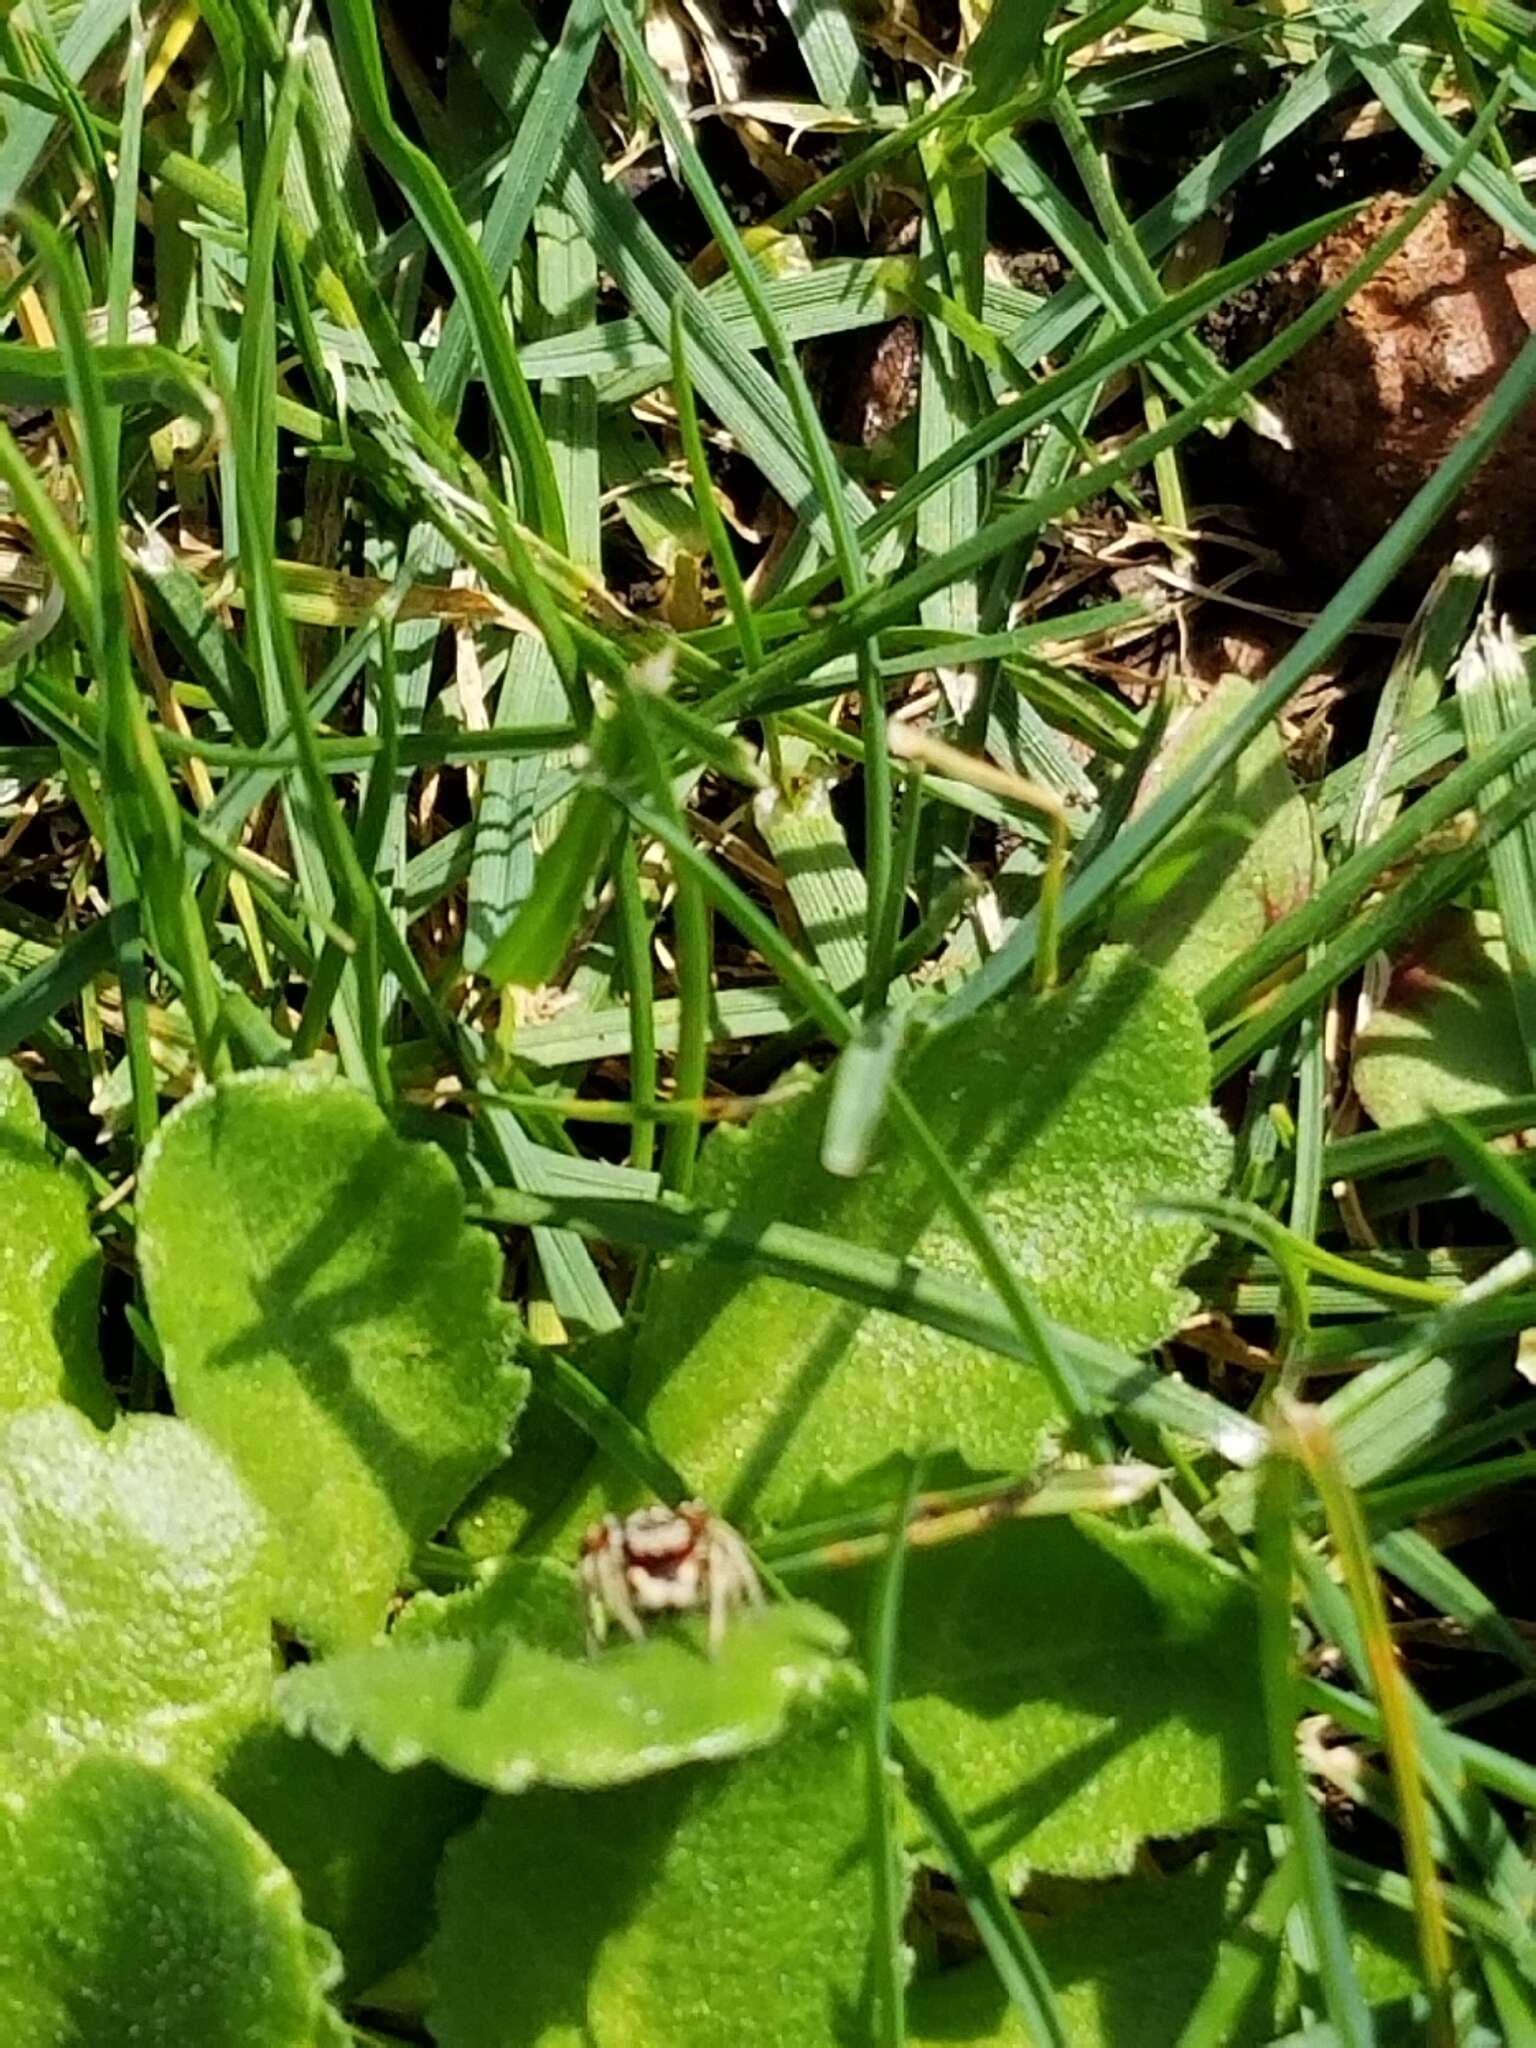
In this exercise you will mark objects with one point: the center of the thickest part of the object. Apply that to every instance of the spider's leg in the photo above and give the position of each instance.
(616, 1594)
(597, 1619)
(745, 1586)
(719, 1582)
(595, 1606)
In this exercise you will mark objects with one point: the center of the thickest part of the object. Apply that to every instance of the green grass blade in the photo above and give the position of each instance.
(1089, 892)
(1112, 1378)
(362, 70)
(1318, 1895)
(1009, 1948)
(27, 128)
(889, 1952)
(1493, 687)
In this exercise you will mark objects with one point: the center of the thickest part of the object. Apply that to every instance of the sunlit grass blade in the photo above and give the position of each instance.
(1493, 687)
(362, 70)
(1412, 690)
(819, 459)
(27, 127)
(1318, 1891)
(889, 1951)
(1113, 1379)
(862, 617)
(1347, 1526)
(1012, 1953)
(142, 815)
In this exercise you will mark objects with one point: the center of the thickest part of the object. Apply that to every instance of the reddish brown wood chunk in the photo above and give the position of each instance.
(1378, 400)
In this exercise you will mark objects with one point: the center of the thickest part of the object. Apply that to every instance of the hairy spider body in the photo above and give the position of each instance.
(662, 1560)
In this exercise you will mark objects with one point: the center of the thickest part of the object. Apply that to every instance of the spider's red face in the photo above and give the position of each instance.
(661, 1540)
(662, 1560)
(666, 1563)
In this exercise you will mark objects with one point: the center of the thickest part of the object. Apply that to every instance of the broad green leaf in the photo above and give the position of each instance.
(136, 1580)
(497, 1686)
(363, 1844)
(1077, 1689)
(548, 1457)
(1445, 1038)
(1066, 1114)
(139, 1907)
(344, 1343)
(713, 1908)
(1128, 1963)
(1241, 859)
(50, 1270)
(1129, 1960)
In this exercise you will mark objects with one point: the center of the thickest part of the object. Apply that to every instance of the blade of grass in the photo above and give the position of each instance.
(1199, 191)
(1012, 1954)
(144, 848)
(1327, 911)
(1243, 1959)
(1413, 686)
(508, 835)
(357, 54)
(831, 51)
(844, 1542)
(1493, 687)
(27, 128)
(1317, 1892)
(863, 617)
(29, 1003)
(889, 1953)
(1091, 890)
(740, 394)
(821, 1003)
(1393, 79)
(1314, 1446)
(125, 188)
(1492, 1178)
(1384, 925)
(722, 553)
(879, 1280)
(819, 459)
(801, 830)
(327, 861)
(1119, 349)
(1466, 1831)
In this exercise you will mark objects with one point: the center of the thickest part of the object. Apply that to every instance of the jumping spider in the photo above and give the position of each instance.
(662, 1560)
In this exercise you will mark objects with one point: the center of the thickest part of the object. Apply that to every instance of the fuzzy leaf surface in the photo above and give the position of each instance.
(1078, 1689)
(136, 1578)
(140, 1907)
(497, 1686)
(1128, 1962)
(1065, 1114)
(362, 1843)
(328, 1320)
(50, 1270)
(723, 1907)
(1445, 1038)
